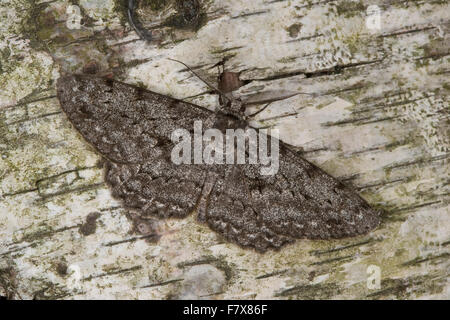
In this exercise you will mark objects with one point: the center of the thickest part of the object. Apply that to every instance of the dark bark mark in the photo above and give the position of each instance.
(161, 284)
(272, 274)
(111, 273)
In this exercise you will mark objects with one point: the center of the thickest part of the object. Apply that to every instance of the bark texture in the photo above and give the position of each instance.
(379, 120)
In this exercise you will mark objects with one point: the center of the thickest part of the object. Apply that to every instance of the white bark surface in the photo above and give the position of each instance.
(379, 121)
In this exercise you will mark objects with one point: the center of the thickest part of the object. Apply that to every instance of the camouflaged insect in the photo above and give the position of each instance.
(131, 128)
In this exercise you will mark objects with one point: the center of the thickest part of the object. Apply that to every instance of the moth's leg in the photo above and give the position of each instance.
(201, 79)
(259, 111)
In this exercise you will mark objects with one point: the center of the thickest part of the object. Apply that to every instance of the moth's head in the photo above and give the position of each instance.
(236, 106)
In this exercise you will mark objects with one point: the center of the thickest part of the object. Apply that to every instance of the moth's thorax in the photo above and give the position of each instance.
(229, 120)
(234, 107)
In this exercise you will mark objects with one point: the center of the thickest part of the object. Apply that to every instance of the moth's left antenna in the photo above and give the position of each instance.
(204, 81)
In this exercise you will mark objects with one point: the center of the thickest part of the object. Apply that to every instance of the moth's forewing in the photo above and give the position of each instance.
(123, 122)
(300, 201)
(131, 128)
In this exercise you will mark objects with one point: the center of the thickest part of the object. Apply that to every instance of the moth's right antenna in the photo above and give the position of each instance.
(204, 81)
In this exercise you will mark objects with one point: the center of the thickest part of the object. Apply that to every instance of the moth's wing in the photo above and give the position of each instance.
(123, 122)
(131, 128)
(157, 188)
(299, 201)
(235, 215)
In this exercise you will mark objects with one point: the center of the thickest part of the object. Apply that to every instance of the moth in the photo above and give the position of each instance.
(131, 128)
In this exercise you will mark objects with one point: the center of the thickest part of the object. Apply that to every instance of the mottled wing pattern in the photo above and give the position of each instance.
(123, 122)
(131, 128)
(300, 201)
(156, 188)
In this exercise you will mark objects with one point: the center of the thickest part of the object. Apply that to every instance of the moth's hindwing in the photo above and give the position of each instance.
(300, 201)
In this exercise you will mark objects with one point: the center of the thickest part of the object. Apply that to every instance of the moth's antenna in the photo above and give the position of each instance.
(265, 127)
(259, 111)
(204, 81)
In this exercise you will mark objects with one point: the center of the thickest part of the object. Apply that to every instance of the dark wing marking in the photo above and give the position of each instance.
(131, 128)
(232, 213)
(300, 201)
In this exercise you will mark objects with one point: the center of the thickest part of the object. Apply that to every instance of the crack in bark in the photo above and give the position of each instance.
(340, 248)
(161, 284)
(272, 274)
